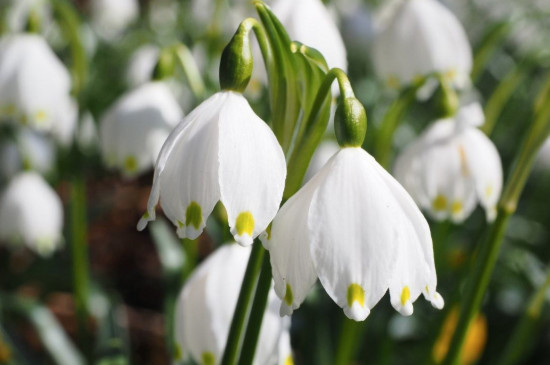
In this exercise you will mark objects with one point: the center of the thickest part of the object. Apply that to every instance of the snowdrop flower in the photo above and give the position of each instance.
(31, 213)
(309, 22)
(35, 87)
(142, 64)
(452, 166)
(134, 129)
(111, 18)
(202, 324)
(222, 151)
(30, 150)
(355, 228)
(416, 38)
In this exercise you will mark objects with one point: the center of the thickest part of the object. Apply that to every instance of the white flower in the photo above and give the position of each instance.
(416, 38)
(220, 151)
(87, 135)
(309, 22)
(35, 87)
(134, 129)
(111, 18)
(142, 64)
(206, 305)
(452, 166)
(357, 230)
(30, 150)
(32, 213)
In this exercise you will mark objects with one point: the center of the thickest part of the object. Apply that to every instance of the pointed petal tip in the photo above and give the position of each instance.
(357, 312)
(188, 232)
(437, 301)
(146, 218)
(491, 214)
(264, 240)
(406, 310)
(244, 240)
(285, 310)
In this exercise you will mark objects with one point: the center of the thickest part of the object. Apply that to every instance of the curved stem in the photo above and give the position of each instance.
(257, 313)
(501, 96)
(519, 341)
(485, 260)
(391, 121)
(191, 70)
(313, 130)
(231, 353)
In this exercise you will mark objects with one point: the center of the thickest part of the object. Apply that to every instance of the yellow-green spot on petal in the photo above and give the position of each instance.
(289, 297)
(180, 224)
(405, 295)
(146, 215)
(456, 207)
(244, 223)
(268, 231)
(488, 191)
(289, 360)
(439, 203)
(130, 164)
(178, 354)
(450, 74)
(393, 82)
(40, 116)
(356, 294)
(193, 215)
(208, 358)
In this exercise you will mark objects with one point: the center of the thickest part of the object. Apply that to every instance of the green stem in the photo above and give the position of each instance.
(313, 130)
(523, 333)
(501, 96)
(257, 313)
(485, 260)
(231, 353)
(489, 44)
(191, 70)
(79, 251)
(350, 335)
(391, 121)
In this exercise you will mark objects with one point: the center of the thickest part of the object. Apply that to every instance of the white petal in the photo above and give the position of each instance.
(31, 212)
(274, 331)
(293, 271)
(355, 230)
(484, 161)
(252, 169)
(186, 171)
(323, 153)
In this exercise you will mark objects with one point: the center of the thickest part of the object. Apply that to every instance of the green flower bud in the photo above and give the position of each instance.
(165, 65)
(236, 61)
(350, 123)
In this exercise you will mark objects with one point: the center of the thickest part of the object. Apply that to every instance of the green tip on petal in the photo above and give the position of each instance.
(193, 215)
(208, 358)
(289, 297)
(356, 294)
(245, 224)
(350, 123)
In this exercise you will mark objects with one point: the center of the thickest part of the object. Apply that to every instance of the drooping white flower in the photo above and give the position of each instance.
(416, 38)
(452, 166)
(142, 64)
(35, 87)
(357, 230)
(30, 150)
(222, 151)
(206, 305)
(309, 22)
(111, 18)
(134, 129)
(32, 213)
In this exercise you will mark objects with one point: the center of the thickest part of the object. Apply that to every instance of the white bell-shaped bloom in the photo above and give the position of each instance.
(222, 151)
(450, 167)
(111, 18)
(134, 129)
(417, 38)
(32, 213)
(35, 87)
(309, 22)
(142, 64)
(355, 228)
(206, 305)
(30, 150)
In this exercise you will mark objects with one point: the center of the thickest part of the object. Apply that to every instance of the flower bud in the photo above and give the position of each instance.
(350, 123)
(236, 61)
(165, 65)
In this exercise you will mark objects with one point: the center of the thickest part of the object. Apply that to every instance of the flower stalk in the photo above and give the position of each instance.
(485, 260)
